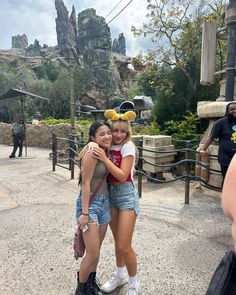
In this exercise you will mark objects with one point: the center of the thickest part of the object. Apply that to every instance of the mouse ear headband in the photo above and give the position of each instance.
(114, 116)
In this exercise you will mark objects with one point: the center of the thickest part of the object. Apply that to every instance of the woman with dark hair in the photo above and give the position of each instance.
(93, 218)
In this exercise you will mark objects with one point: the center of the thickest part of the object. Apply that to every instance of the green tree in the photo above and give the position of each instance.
(48, 71)
(173, 68)
(59, 95)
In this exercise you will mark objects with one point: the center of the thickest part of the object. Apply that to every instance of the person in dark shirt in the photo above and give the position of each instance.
(225, 130)
(18, 135)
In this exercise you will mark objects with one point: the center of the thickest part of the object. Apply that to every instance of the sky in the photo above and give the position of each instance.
(36, 19)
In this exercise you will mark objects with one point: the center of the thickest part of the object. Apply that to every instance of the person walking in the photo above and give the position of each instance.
(18, 135)
(225, 130)
(124, 200)
(93, 218)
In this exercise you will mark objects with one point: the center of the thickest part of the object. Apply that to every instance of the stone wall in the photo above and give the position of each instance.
(36, 135)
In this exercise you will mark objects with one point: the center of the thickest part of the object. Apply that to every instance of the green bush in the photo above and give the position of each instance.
(185, 129)
(84, 122)
(53, 121)
(152, 129)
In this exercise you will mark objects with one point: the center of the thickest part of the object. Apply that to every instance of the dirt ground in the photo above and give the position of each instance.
(178, 246)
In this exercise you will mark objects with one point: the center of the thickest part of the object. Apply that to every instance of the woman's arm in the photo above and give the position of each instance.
(88, 166)
(228, 195)
(121, 173)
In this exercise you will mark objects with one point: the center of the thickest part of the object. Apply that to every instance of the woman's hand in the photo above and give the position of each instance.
(82, 221)
(92, 145)
(99, 154)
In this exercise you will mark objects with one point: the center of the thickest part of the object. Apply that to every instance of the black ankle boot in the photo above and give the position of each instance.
(81, 287)
(92, 286)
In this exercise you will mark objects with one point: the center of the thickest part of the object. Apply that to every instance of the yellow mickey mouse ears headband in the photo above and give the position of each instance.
(114, 116)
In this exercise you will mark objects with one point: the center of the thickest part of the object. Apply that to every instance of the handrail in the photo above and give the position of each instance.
(75, 143)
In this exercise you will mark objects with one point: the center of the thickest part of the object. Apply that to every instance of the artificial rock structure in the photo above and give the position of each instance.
(105, 63)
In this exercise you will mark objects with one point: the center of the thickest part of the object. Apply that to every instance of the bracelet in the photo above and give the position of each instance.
(86, 214)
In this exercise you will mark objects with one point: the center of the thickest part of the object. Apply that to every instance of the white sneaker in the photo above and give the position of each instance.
(114, 282)
(133, 289)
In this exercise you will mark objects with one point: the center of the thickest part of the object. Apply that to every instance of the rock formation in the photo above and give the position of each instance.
(115, 46)
(73, 21)
(33, 49)
(119, 46)
(94, 44)
(19, 41)
(107, 67)
(65, 27)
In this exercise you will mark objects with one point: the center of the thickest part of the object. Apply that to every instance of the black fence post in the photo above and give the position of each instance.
(140, 166)
(72, 156)
(69, 151)
(82, 139)
(54, 151)
(187, 172)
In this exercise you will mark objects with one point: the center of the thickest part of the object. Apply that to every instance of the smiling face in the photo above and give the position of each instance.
(103, 137)
(121, 132)
(232, 109)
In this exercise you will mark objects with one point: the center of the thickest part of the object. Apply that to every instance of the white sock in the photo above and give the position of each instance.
(133, 281)
(120, 271)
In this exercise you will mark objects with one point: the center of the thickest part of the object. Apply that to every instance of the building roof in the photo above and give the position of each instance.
(14, 93)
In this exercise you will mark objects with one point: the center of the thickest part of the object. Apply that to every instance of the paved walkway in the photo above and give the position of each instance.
(178, 245)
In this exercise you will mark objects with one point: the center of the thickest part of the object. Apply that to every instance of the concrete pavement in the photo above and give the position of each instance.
(178, 245)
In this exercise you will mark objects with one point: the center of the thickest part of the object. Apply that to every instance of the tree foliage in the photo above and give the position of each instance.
(49, 80)
(172, 71)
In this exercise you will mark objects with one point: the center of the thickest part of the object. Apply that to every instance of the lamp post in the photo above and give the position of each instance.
(72, 95)
(72, 54)
(70, 68)
(230, 21)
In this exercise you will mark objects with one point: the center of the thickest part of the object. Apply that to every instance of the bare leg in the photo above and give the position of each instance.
(92, 239)
(125, 255)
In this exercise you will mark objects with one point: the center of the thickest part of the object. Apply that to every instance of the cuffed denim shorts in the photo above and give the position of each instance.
(99, 209)
(124, 196)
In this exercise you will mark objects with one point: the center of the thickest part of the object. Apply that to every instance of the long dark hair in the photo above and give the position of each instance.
(92, 133)
(94, 127)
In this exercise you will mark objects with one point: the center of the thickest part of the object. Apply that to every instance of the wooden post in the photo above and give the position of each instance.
(140, 166)
(187, 171)
(54, 151)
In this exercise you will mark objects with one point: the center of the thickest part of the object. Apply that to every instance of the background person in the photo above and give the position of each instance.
(225, 130)
(124, 200)
(18, 136)
(96, 215)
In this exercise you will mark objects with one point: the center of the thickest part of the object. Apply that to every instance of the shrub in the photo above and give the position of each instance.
(152, 129)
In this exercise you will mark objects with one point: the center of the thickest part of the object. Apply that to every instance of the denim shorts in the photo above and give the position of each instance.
(99, 209)
(124, 196)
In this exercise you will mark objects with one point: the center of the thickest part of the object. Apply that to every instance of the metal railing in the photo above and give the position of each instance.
(73, 144)
(187, 165)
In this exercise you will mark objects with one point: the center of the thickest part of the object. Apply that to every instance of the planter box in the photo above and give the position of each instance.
(161, 149)
(156, 140)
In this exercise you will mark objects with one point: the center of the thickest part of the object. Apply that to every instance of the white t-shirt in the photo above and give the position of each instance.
(126, 149)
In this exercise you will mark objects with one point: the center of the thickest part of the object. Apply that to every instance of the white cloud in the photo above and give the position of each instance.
(37, 20)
